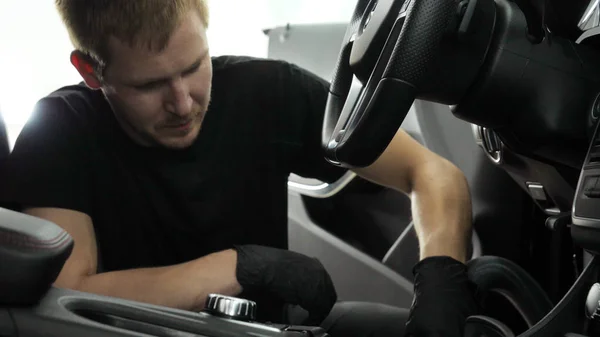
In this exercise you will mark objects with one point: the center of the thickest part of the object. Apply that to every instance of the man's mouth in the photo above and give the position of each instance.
(180, 126)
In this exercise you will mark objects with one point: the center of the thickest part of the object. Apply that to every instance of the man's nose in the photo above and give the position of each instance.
(179, 101)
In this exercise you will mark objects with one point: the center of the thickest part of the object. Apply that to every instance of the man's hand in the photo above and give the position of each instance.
(293, 277)
(444, 298)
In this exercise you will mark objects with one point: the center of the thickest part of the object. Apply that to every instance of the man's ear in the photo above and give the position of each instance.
(85, 67)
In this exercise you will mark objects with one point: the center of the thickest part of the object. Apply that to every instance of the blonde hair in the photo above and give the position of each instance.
(150, 23)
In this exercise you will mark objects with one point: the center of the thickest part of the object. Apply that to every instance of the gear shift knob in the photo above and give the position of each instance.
(231, 307)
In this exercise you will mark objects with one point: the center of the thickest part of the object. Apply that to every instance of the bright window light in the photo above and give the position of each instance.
(34, 53)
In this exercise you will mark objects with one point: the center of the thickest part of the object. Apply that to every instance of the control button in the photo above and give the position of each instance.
(231, 307)
(340, 136)
(537, 191)
(591, 187)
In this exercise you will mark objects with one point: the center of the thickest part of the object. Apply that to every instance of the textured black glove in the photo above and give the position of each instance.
(443, 299)
(293, 277)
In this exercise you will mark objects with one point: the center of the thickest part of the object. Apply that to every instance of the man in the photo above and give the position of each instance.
(169, 168)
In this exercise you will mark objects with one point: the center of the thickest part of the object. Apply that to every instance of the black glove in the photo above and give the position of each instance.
(293, 277)
(443, 299)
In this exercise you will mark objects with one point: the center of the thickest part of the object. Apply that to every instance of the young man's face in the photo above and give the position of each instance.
(160, 98)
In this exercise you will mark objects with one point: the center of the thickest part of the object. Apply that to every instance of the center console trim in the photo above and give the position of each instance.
(567, 316)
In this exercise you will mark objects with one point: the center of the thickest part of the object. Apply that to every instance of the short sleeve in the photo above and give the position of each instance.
(47, 166)
(308, 99)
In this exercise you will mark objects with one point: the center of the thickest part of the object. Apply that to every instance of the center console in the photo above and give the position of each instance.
(32, 253)
(69, 313)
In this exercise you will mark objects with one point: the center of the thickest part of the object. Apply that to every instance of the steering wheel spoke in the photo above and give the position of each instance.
(348, 112)
(373, 33)
(396, 51)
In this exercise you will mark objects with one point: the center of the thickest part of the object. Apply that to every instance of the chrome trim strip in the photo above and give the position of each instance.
(323, 190)
(355, 95)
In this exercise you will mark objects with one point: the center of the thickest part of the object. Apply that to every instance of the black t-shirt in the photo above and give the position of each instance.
(157, 207)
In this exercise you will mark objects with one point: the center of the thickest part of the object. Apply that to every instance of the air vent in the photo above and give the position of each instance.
(489, 142)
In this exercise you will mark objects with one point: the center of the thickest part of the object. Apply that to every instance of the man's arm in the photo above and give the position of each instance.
(184, 286)
(441, 202)
(438, 189)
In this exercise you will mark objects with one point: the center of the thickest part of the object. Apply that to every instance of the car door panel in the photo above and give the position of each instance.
(357, 276)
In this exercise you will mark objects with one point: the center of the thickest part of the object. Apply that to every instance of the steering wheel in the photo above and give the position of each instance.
(393, 52)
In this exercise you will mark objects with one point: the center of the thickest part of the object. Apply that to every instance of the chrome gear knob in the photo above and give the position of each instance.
(230, 307)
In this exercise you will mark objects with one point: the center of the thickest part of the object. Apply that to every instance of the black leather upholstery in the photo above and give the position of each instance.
(32, 254)
(493, 273)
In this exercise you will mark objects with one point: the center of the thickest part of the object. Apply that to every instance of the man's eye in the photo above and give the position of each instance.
(191, 70)
(148, 86)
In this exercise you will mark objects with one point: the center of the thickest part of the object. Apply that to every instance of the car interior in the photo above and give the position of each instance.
(507, 90)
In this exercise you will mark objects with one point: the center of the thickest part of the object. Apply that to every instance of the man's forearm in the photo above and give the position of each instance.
(441, 207)
(184, 286)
